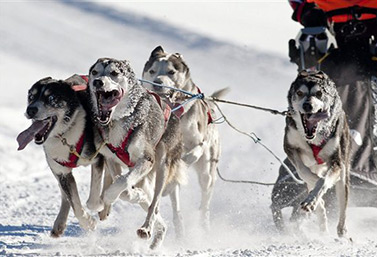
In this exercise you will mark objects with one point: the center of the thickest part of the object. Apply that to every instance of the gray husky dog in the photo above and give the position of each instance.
(62, 126)
(317, 142)
(140, 137)
(200, 135)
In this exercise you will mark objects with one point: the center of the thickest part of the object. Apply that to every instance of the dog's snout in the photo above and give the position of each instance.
(98, 83)
(307, 107)
(31, 111)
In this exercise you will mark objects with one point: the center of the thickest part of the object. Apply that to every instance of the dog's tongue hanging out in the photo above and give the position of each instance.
(25, 137)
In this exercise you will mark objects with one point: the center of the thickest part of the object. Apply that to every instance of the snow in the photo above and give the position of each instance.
(239, 45)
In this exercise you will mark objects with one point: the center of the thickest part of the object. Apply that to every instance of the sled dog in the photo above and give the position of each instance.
(200, 135)
(317, 142)
(141, 136)
(62, 126)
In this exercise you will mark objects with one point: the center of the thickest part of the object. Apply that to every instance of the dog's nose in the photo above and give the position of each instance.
(307, 107)
(31, 111)
(98, 83)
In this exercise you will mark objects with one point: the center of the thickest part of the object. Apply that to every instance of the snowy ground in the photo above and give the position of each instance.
(236, 45)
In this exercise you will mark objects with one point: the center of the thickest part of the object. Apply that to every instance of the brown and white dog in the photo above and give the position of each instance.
(141, 137)
(317, 142)
(200, 135)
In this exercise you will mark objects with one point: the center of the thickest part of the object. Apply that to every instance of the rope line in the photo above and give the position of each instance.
(254, 137)
(243, 181)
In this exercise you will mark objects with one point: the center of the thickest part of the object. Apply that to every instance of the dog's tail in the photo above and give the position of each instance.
(220, 93)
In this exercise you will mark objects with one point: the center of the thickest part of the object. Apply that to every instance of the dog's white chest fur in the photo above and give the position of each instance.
(307, 155)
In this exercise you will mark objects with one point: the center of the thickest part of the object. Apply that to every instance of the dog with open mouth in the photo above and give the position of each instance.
(141, 137)
(60, 123)
(317, 142)
(200, 135)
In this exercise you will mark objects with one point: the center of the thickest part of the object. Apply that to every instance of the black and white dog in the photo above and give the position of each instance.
(200, 135)
(61, 124)
(140, 136)
(317, 142)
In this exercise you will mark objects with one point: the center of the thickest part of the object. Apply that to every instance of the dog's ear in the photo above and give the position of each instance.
(303, 74)
(44, 80)
(157, 51)
(179, 56)
(77, 82)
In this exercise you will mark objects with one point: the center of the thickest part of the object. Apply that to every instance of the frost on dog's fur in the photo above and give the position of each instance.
(142, 145)
(317, 142)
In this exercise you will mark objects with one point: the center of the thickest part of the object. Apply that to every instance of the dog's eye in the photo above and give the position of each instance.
(94, 72)
(300, 93)
(171, 72)
(152, 72)
(318, 94)
(51, 99)
(114, 73)
(30, 97)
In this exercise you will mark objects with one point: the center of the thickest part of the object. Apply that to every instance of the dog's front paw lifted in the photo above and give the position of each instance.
(309, 204)
(143, 233)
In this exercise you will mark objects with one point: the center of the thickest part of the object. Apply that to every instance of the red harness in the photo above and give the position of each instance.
(316, 149)
(73, 159)
(121, 151)
(179, 112)
(210, 119)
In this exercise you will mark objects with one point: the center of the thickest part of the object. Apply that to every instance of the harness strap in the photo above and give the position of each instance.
(121, 151)
(165, 107)
(74, 154)
(210, 119)
(84, 77)
(316, 149)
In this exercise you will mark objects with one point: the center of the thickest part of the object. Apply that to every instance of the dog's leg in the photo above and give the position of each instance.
(61, 220)
(108, 180)
(159, 232)
(322, 217)
(95, 203)
(206, 168)
(177, 216)
(321, 187)
(68, 185)
(162, 171)
(125, 183)
(342, 192)
(112, 170)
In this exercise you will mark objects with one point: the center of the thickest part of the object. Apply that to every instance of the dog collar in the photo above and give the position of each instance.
(74, 154)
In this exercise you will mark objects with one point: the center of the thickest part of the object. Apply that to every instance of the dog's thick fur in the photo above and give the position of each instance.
(317, 142)
(124, 109)
(58, 114)
(200, 136)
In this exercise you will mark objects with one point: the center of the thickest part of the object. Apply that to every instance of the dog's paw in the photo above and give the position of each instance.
(57, 232)
(88, 222)
(309, 204)
(143, 233)
(97, 205)
(105, 212)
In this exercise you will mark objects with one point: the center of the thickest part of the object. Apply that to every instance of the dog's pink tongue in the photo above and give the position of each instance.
(315, 117)
(25, 137)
